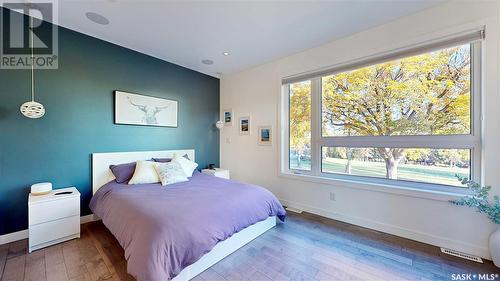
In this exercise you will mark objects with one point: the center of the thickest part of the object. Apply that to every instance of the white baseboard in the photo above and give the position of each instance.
(88, 218)
(395, 230)
(14, 236)
(23, 234)
(295, 210)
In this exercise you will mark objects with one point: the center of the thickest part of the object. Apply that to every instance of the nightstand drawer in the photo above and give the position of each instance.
(53, 230)
(52, 210)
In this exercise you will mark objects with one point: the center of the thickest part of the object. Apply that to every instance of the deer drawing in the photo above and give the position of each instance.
(150, 112)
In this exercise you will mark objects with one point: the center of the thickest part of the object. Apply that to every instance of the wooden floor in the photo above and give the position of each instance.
(306, 247)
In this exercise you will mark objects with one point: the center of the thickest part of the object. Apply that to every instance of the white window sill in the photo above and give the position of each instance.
(439, 194)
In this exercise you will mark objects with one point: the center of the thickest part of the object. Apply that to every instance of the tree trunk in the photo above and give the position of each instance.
(391, 156)
(391, 167)
(348, 166)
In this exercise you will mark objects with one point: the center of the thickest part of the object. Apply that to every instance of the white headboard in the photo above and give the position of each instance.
(101, 174)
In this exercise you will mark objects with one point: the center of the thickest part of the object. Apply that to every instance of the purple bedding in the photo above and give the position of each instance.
(165, 229)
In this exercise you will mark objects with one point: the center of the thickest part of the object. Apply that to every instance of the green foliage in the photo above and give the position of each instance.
(417, 154)
(419, 95)
(300, 116)
(479, 199)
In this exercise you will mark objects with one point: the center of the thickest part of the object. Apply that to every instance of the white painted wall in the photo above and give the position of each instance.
(256, 92)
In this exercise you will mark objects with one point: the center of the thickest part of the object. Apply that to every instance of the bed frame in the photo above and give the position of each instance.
(101, 174)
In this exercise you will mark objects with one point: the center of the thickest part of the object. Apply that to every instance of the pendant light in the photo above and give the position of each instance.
(32, 109)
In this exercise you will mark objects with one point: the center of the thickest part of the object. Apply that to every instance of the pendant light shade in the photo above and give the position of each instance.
(32, 109)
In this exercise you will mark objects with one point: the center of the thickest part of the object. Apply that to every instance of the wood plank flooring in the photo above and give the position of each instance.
(306, 247)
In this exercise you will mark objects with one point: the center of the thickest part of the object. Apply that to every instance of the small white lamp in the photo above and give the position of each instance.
(41, 188)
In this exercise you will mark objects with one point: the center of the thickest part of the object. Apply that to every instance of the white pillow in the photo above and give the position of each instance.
(170, 172)
(188, 166)
(144, 173)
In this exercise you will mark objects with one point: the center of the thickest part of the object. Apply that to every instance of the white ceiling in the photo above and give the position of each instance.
(254, 32)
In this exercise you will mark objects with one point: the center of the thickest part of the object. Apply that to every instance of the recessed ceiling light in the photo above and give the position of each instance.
(95, 17)
(225, 53)
(207, 62)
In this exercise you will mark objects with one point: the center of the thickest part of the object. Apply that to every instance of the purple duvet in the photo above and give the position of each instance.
(164, 229)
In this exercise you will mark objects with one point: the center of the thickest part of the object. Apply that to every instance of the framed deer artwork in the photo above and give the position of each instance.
(134, 109)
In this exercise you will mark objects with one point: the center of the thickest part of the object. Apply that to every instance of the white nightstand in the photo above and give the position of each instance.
(220, 173)
(53, 218)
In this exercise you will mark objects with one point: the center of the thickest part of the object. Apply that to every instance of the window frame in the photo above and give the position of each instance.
(470, 141)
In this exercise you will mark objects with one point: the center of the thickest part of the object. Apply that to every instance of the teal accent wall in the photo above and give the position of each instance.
(78, 98)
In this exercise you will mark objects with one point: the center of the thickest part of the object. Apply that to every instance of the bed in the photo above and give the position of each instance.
(175, 232)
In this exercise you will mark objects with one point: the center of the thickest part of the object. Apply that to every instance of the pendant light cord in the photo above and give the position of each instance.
(32, 62)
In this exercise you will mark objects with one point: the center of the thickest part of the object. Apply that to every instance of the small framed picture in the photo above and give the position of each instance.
(245, 125)
(265, 135)
(227, 116)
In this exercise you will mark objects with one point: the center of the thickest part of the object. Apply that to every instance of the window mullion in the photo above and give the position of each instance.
(285, 125)
(476, 116)
(315, 126)
(435, 141)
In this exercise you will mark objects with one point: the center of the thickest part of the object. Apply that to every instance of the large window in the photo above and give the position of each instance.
(411, 119)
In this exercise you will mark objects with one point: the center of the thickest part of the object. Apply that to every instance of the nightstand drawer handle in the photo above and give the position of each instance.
(64, 193)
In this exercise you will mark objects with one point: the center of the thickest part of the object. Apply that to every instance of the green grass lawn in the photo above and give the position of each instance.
(411, 172)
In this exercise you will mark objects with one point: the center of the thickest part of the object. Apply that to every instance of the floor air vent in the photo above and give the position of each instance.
(461, 255)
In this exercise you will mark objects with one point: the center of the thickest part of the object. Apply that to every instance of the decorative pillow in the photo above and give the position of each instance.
(170, 173)
(162, 160)
(144, 173)
(188, 166)
(123, 172)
